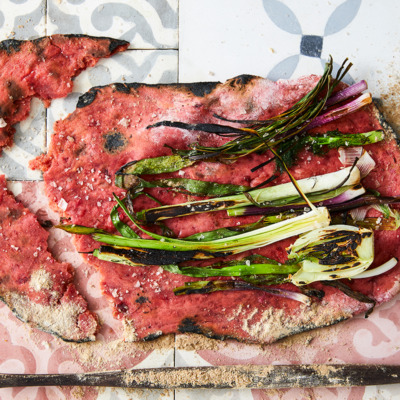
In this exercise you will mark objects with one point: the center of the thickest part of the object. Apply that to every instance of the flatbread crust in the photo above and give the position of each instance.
(37, 288)
(108, 129)
(44, 68)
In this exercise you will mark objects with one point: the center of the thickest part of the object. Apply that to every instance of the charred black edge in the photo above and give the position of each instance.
(11, 45)
(242, 80)
(38, 326)
(210, 128)
(158, 256)
(189, 325)
(198, 89)
(154, 215)
(14, 45)
(379, 113)
(152, 336)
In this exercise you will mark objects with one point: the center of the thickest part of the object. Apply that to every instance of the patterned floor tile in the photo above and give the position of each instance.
(22, 19)
(146, 24)
(286, 40)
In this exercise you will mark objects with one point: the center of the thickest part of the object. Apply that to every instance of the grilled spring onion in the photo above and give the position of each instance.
(127, 176)
(334, 252)
(201, 287)
(130, 250)
(337, 252)
(325, 255)
(319, 183)
(260, 136)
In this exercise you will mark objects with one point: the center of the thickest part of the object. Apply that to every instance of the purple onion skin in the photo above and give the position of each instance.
(346, 93)
(338, 112)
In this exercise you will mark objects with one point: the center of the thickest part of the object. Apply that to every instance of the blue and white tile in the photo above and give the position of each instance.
(22, 19)
(145, 24)
(287, 39)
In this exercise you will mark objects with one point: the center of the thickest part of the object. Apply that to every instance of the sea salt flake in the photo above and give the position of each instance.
(62, 204)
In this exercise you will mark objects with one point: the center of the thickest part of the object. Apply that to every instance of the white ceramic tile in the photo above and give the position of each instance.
(236, 37)
(21, 19)
(264, 38)
(147, 66)
(145, 24)
(185, 358)
(158, 358)
(220, 394)
(29, 142)
(132, 394)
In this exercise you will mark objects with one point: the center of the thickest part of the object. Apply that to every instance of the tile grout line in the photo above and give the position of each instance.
(177, 79)
(178, 32)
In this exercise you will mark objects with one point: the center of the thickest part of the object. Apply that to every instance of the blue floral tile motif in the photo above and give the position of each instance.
(145, 24)
(282, 16)
(311, 45)
(22, 19)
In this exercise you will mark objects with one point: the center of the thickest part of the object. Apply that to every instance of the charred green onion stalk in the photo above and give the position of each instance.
(321, 253)
(325, 186)
(259, 136)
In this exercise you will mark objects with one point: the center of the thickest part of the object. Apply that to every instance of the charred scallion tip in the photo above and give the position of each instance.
(141, 257)
(324, 254)
(80, 229)
(336, 252)
(260, 136)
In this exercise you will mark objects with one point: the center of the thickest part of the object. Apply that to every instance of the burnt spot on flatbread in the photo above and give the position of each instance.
(114, 142)
(241, 80)
(14, 91)
(200, 89)
(189, 325)
(115, 44)
(88, 97)
(142, 300)
(152, 336)
(11, 45)
(122, 87)
(122, 307)
(15, 213)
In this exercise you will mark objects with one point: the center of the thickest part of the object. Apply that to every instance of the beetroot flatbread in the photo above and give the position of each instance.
(44, 68)
(37, 288)
(108, 129)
